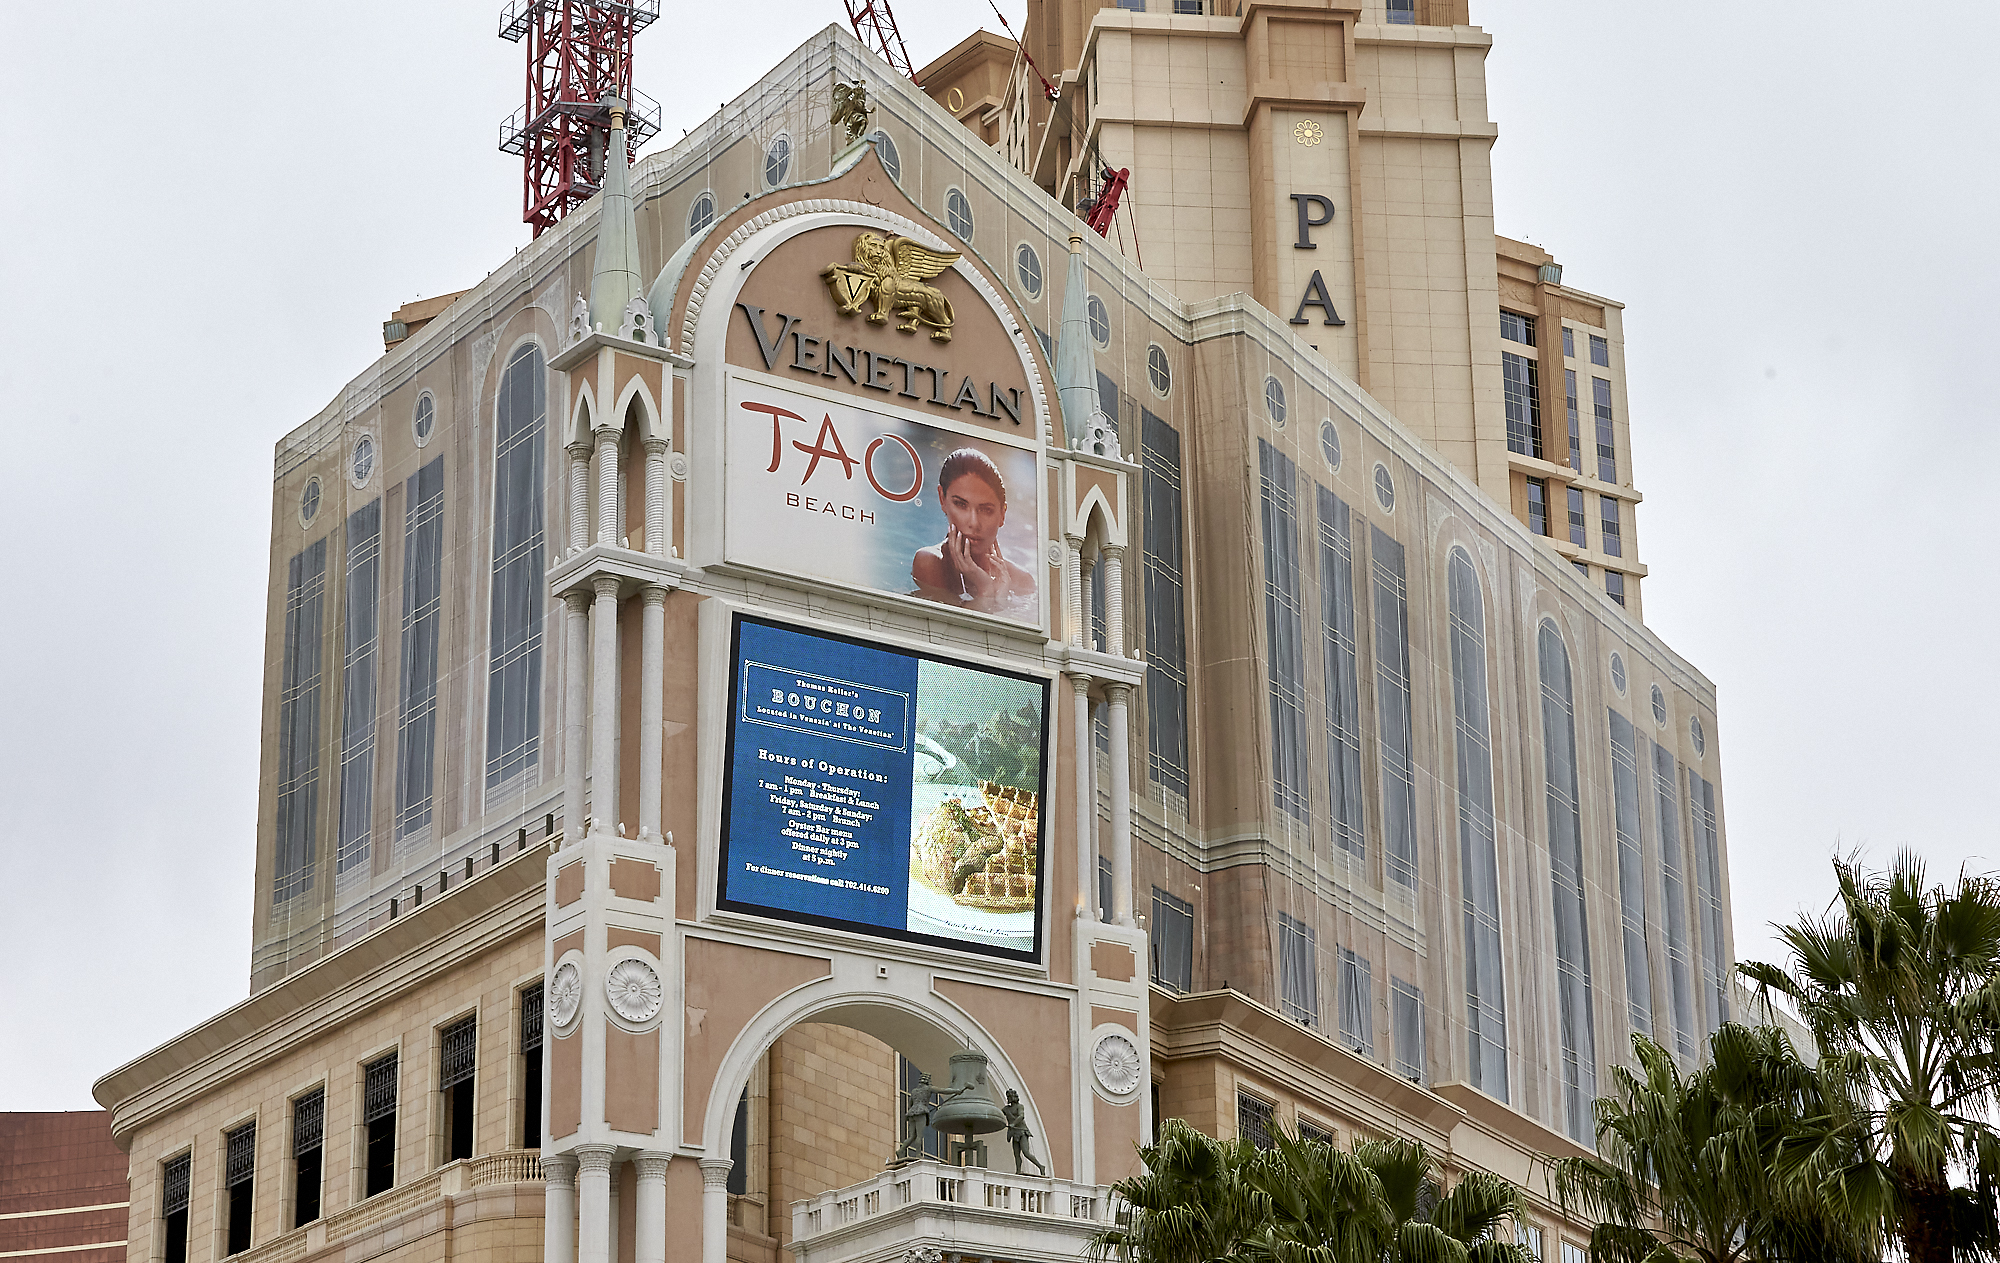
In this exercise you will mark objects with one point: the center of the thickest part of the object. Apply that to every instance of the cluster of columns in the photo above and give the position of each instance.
(591, 637)
(1118, 698)
(581, 1191)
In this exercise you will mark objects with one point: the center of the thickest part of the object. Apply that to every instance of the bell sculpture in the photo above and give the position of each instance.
(967, 1110)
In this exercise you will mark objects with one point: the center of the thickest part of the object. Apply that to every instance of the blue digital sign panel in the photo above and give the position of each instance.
(883, 791)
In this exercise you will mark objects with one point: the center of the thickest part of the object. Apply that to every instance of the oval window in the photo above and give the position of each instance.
(1698, 735)
(424, 419)
(1028, 266)
(777, 161)
(1100, 321)
(1659, 707)
(958, 214)
(364, 460)
(1329, 443)
(309, 502)
(1385, 489)
(1157, 372)
(1274, 401)
(1618, 674)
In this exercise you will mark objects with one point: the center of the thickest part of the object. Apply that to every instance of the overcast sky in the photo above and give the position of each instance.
(211, 208)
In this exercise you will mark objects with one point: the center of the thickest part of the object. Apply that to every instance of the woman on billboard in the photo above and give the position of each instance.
(967, 568)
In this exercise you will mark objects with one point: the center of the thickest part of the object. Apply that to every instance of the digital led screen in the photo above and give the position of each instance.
(882, 791)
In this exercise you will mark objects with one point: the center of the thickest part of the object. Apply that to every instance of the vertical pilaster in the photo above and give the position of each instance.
(1114, 599)
(576, 654)
(1073, 621)
(652, 701)
(715, 1210)
(604, 707)
(1086, 803)
(559, 1214)
(579, 496)
(1121, 803)
(656, 495)
(593, 1216)
(649, 1231)
(607, 484)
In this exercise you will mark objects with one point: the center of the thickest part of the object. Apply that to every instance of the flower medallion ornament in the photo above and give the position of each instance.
(565, 994)
(1116, 1063)
(634, 990)
(1308, 132)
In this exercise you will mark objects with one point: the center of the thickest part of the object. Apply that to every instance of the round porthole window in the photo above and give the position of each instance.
(777, 161)
(958, 214)
(701, 214)
(309, 502)
(424, 419)
(1698, 735)
(1385, 489)
(363, 462)
(1157, 372)
(1028, 266)
(1100, 321)
(1274, 401)
(1618, 674)
(1659, 707)
(1329, 443)
(885, 149)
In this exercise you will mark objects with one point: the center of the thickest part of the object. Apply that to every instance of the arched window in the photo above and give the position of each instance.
(777, 160)
(1478, 863)
(885, 150)
(701, 214)
(958, 214)
(1573, 1005)
(514, 674)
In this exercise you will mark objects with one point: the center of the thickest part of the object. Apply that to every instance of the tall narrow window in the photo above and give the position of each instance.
(1298, 970)
(1607, 438)
(174, 1174)
(738, 1182)
(239, 1178)
(1284, 629)
(1166, 605)
(298, 725)
(1406, 1017)
(1392, 707)
(514, 680)
(1357, 995)
(1573, 1001)
(1538, 505)
(1343, 685)
(1172, 933)
(1600, 351)
(1255, 1118)
(531, 1066)
(1708, 890)
(308, 1152)
(1569, 343)
(423, 623)
(1478, 860)
(458, 1053)
(1614, 586)
(378, 1116)
(1104, 888)
(1521, 393)
(1577, 534)
(1614, 538)
(1673, 897)
(357, 688)
(1575, 424)
(1631, 873)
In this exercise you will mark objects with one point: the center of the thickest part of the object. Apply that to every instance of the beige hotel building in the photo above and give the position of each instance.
(820, 617)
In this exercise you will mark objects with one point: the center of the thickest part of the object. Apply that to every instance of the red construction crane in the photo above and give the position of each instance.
(579, 52)
(875, 25)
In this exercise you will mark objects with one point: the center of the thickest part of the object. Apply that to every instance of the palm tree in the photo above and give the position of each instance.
(1685, 1164)
(1900, 985)
(1305, 1201)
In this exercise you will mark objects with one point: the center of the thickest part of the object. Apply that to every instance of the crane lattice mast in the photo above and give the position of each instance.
(875, 25)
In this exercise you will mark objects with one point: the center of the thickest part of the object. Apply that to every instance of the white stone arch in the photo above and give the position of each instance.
(651, 423)
(926, 1030)
(582, 416)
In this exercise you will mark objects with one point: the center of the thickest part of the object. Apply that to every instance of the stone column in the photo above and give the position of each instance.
(1073, 623)
(579, 496)
(1086, 803)
(652, 705)
(607, 484)
(593, 1192)
(649, 1219)
(715, 1210)
(1114, 599)
(611, 1229)
(656, 496)
(1121, 805)
(576, 660)
(559, 1222)
(604, 707)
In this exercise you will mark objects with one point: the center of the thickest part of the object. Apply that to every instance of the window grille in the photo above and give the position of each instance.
(379, 1090)
(1357, 994)
(1172, 934)
(241, 1162)
(1309, 1130)
(1478, 863)
(1254, 1119)
(1284, 629)
(531, 1019)
(1298, 971)
(458, 1053)
(1406, 1018)
(309, 1122)
(1392, 708)
(174, 1185)
(1572, 935)
(1166, 614)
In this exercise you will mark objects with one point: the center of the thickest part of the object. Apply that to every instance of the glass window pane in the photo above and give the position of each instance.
(1342, 684)
(1565, 822)
(1284, 629)
(1392, 707)
(1478, 862)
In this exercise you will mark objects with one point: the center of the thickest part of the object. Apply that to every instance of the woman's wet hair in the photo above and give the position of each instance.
(968, 460)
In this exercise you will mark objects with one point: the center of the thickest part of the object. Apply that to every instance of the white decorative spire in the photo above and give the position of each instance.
(1076, 364)
(614, 278)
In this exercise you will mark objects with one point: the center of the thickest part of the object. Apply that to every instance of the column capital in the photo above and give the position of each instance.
(602, 434)
(605, 585)
(715, 1172)
(654, 594)
(655, 445)
(592, 1159)
(559, 1170)
(579, 450)
(1075, 542)
(1080, 682)
(577, 600)
(1117, 692)
(651, 1164)
(1112, 550)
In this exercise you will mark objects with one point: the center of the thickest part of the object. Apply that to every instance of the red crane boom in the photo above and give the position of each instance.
(875, 25)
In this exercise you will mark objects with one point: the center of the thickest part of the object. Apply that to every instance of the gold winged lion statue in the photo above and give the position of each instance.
(893, 272)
